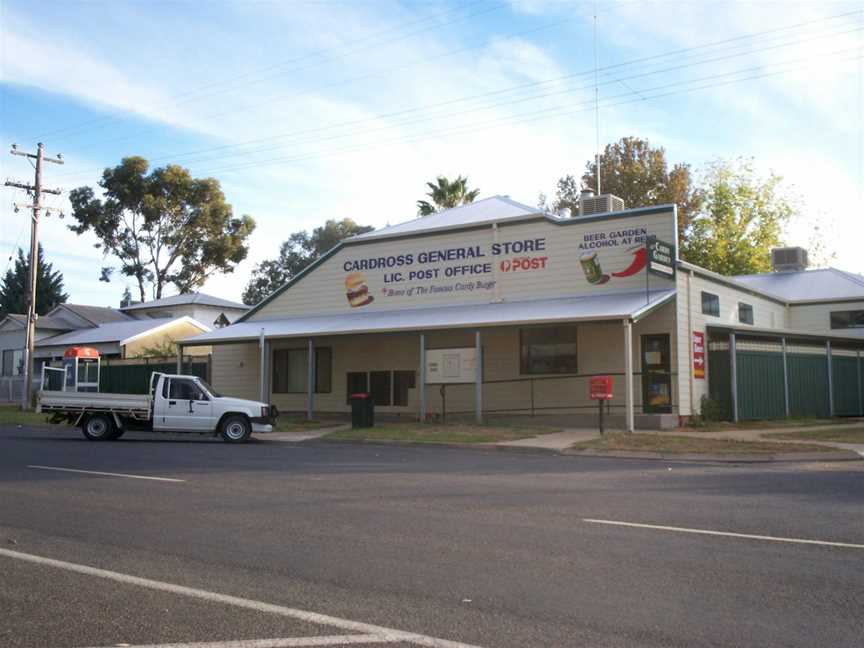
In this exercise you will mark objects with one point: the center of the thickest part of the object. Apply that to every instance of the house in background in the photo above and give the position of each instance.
(215, 312)
(125, 339)
(115, 332)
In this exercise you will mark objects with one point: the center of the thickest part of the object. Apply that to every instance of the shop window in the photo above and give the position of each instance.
(710, 304)
(379, 386)
(402, 382)
(290, 371)
(745, 313)
(548, 349)
(851, 319)
(356, 383)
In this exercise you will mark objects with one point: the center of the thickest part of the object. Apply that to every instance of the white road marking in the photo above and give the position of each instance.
(729, 534)
(292, 642)
(107, 474)
(383, 633)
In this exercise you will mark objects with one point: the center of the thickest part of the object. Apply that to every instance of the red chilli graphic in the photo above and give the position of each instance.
(639, 261)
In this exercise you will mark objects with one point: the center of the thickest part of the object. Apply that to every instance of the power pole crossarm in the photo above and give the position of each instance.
(33, 272)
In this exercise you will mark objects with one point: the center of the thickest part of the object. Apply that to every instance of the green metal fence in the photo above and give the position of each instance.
(760, 385)
(761, 391)
(846, 379)
(808, 385)
(127, 378)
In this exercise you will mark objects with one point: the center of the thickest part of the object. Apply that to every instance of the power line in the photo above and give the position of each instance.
(533, 84)
(193, 95)
(293, 135)
(35, 190)
(557, 111)
(343, 82)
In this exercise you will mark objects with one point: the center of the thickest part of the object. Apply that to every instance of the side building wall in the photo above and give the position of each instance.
(817, 317)
(767, 313)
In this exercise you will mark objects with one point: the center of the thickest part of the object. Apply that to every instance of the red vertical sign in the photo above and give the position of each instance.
(698, 354)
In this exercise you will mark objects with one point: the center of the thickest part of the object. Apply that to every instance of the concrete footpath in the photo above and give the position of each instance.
(561, 442)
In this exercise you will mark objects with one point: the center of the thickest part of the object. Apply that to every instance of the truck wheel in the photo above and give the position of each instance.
(98, 427)
(236, 429)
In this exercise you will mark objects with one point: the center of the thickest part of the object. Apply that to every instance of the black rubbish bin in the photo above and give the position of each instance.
(362, 410)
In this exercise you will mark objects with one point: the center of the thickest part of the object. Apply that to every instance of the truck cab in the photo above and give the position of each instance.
(188, 404)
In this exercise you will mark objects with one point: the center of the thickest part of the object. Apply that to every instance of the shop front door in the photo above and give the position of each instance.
(656, 374)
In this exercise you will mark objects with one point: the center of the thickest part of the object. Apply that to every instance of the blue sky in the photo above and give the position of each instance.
(313, 109)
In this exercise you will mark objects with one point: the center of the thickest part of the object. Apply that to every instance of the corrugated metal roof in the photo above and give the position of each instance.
(595, 307)
(488, 210)
(807, 285)
(44, 322)
(185, 299)
(94, 314)
(110, 332)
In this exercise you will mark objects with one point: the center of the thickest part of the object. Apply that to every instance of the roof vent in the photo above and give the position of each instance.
(589, 204)
(789, 259)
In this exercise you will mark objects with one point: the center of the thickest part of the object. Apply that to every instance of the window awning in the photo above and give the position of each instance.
(571, 309)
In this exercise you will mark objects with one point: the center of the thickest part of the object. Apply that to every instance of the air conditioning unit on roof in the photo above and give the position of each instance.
(589, 204)
(789, 259)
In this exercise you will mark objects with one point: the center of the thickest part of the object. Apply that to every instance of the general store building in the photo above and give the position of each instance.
(497, 309)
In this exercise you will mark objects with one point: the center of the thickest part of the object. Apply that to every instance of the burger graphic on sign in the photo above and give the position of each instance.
(356, 290)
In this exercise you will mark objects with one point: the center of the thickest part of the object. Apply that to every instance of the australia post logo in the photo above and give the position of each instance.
(518, 264)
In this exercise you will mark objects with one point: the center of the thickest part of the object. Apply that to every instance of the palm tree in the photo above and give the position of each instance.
(446, 195)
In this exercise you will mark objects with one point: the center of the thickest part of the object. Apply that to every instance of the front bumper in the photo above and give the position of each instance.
(265, 423)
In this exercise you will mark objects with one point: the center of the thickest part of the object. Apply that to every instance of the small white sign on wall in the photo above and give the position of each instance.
(451, 365)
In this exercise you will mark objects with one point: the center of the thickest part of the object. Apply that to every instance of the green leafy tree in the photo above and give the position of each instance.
(299, 251)
(164, 227)
(638, 173)
(15, 286)
(446, 195)
(741, 219)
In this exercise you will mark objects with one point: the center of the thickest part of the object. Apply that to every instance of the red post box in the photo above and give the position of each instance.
(601, 388)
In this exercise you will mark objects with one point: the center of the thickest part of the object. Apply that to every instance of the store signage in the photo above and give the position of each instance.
(661, 257)
(698, 354)
(472, 269)
(600, 388)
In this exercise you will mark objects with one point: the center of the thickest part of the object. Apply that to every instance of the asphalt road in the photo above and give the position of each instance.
(486, 548)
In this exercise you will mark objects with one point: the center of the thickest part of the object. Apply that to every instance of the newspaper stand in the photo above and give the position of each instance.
(600, 389)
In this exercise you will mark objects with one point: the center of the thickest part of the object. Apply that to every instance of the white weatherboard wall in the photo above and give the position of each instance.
(817, 317)
(767, 313)
(554, 266)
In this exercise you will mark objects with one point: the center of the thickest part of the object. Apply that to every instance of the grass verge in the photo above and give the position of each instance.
(840, 435)
(286, 424)
(666, 444)
(439, 433)
(725, 426)
(12, 415)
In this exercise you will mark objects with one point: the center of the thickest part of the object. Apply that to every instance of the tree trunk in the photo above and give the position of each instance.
(141, 288)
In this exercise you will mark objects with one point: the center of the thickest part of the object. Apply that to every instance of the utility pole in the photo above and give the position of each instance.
(36, 190)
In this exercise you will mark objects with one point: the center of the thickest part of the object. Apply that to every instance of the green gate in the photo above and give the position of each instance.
(760, 385)
(808, 385)
(846, 381)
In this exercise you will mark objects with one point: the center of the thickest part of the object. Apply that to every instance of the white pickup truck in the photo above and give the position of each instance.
(175, 403)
